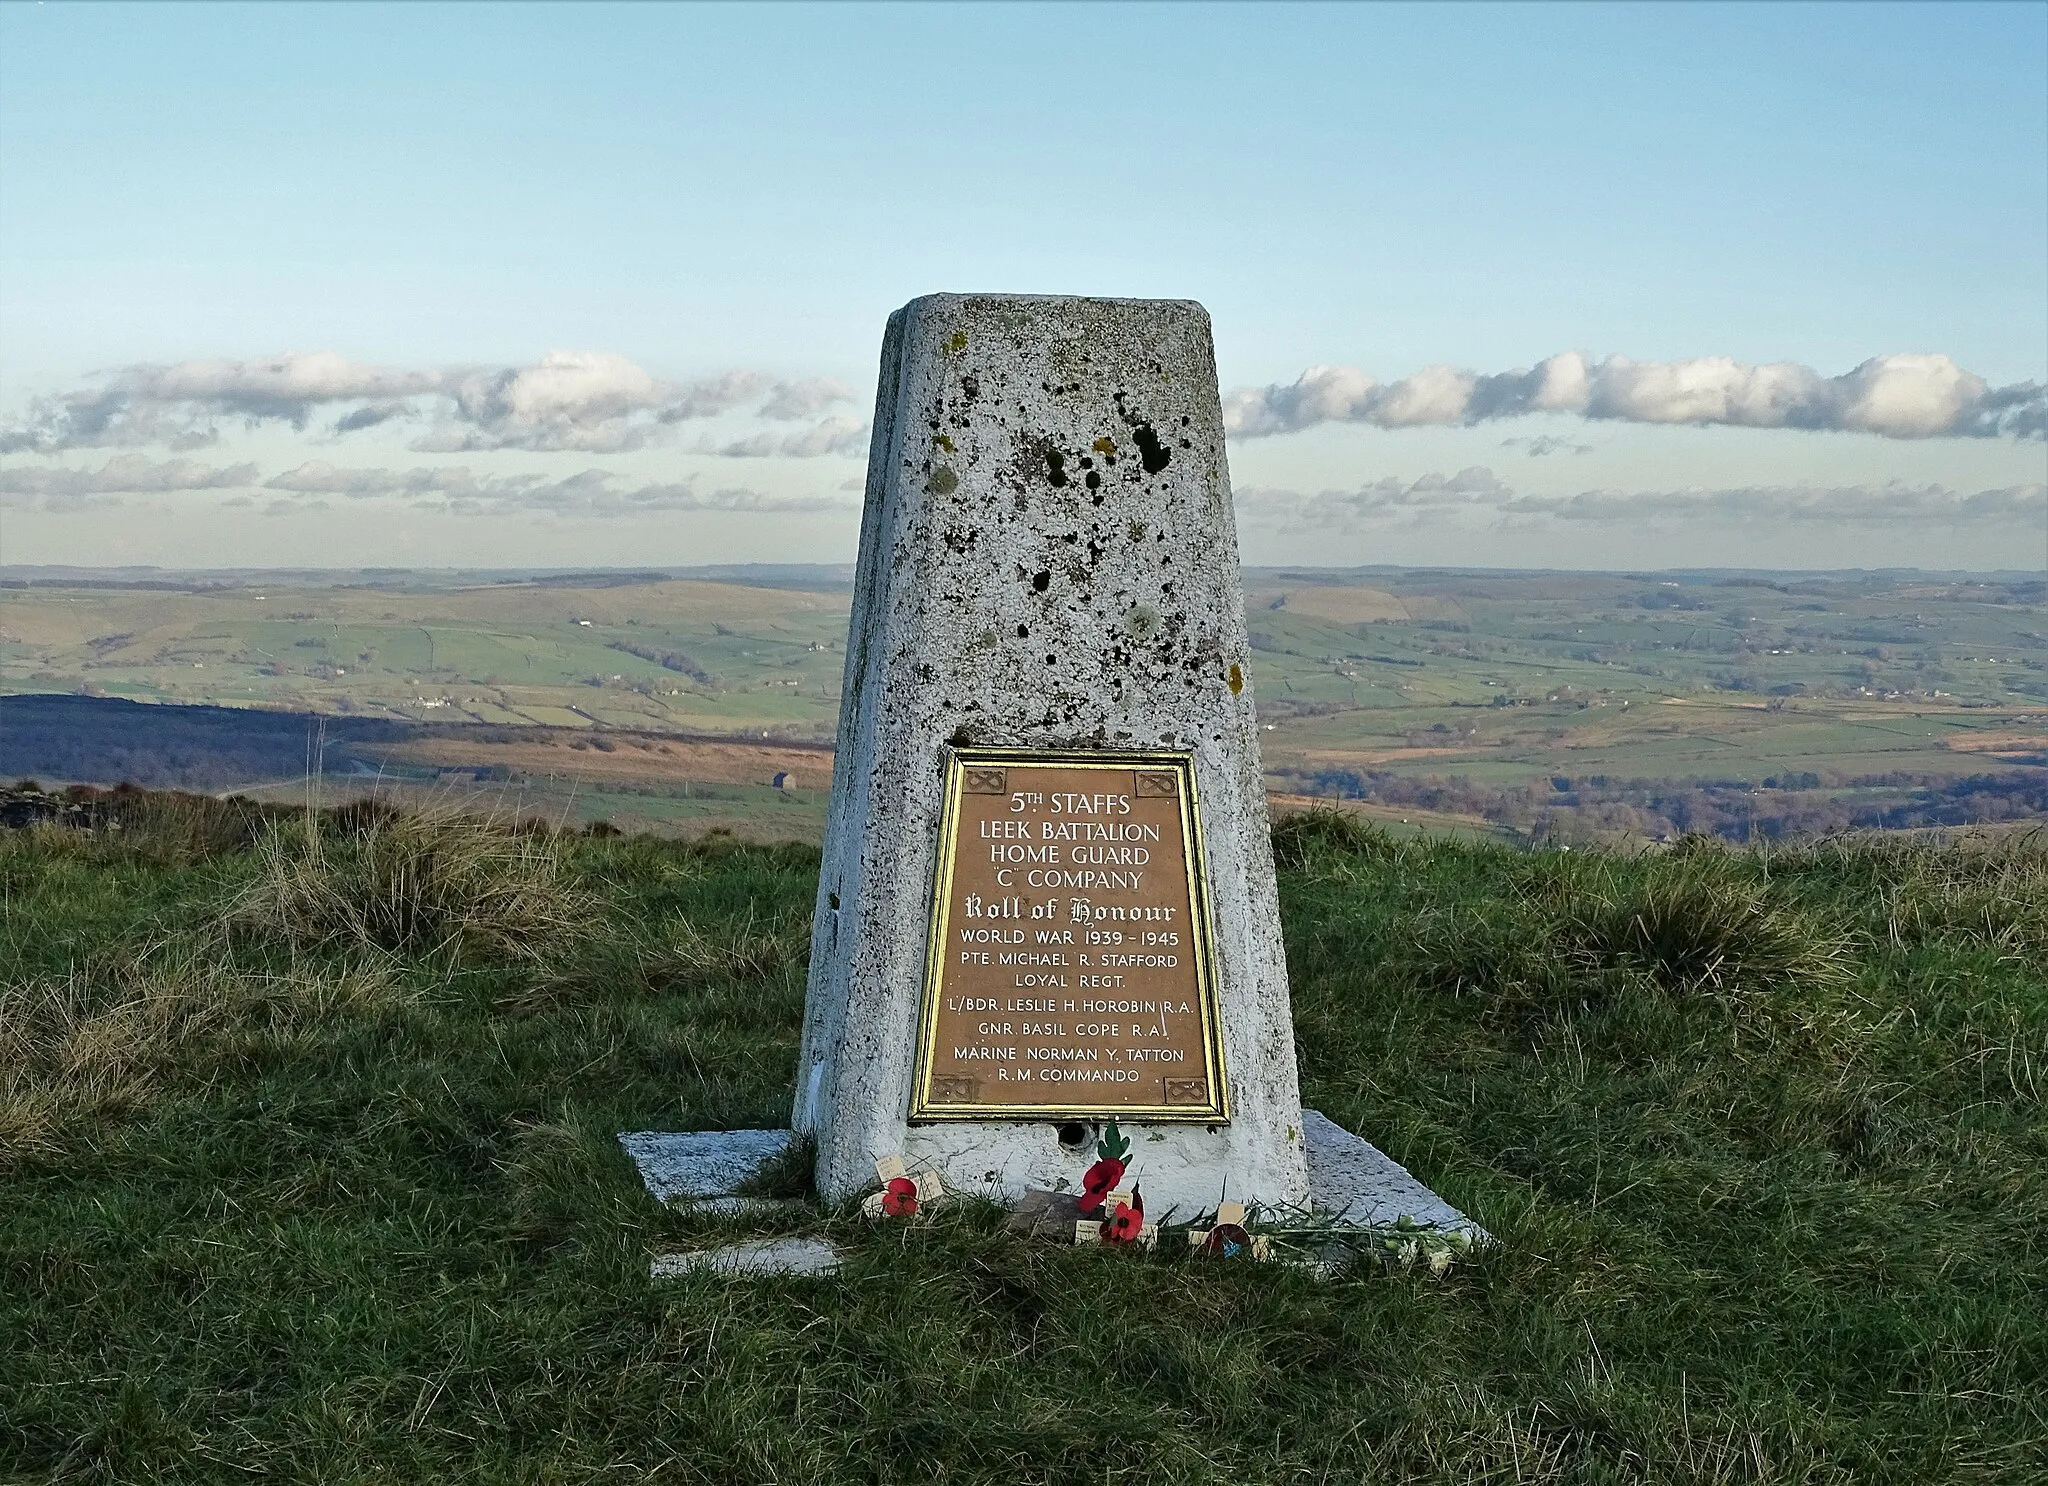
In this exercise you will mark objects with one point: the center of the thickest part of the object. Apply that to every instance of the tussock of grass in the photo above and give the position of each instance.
(674, 957)
(787, 1175)
(693, 956)
(1576, 927)
(1692, 927)
(96, 1043)
(1306, 839)
(415, 884)
(67, 1054)
(553, 1169)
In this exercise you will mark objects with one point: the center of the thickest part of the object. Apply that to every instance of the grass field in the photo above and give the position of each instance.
(307, 1172)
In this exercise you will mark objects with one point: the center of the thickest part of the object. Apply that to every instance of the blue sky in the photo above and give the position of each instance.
(703, 190)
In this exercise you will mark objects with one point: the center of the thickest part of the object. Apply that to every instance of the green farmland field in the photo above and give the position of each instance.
(1535, 703)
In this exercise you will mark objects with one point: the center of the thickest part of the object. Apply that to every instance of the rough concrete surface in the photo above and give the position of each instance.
(761, 1256)
(1352, 1180)
(702, 1168)
(1048, 558)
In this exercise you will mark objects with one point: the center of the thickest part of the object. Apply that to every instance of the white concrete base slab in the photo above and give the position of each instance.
(761, 1256)
(702, 1169)
(1353, 1181)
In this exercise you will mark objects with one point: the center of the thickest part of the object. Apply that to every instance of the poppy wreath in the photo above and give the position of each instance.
(899, 1198)
(1127, 1220)
(1112, 1151)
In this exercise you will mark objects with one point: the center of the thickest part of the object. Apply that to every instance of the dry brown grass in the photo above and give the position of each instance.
(97, 1043)
(416, 884)
(165, 827)
(625, 758)
(743, 952)
(683, 957)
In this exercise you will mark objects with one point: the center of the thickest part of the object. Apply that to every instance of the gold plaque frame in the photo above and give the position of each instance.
(962, 765)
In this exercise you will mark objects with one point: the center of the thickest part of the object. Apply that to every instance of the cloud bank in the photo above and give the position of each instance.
(598, 402)
(58, 489)
(453, 489)
(1903, 396)
(593, 492)
(1475, 494)
(836, 435)
(587, 401)
(1478, 493)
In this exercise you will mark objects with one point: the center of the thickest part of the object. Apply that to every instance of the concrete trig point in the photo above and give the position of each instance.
(1047, 897)
(1048, 561)
(1048, 574)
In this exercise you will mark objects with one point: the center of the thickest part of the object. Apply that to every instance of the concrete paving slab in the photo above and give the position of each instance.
(764, 1256)
(1353, 1181)
(689, 1166)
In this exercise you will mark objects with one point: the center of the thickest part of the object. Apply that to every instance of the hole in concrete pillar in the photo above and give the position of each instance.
(1154, 455)
(1073, 1135)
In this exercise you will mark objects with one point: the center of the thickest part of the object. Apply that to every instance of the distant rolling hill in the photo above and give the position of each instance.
(1547, 704)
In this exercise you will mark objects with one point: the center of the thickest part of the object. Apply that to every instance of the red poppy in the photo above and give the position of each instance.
(1126, 1221)
(899, 1198)
(1100, 1181)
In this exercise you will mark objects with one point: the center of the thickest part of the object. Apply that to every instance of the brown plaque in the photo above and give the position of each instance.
(1071, 961)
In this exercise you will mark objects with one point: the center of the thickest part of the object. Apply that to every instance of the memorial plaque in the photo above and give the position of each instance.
(1070, 967)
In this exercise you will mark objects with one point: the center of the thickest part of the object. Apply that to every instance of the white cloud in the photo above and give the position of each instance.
(790, 401)
(180, 406)
(1903, 396)
(318, 477)
(1383, 499)
(1544, 443)
(835, 435)
(593, 492)
(295, 507)
(567, 400)
(1479, 493)
(1890, 506)
(586, 401)
(449, 488)
(53, 488)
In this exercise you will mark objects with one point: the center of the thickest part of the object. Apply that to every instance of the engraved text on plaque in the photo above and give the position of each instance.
(1071, 960)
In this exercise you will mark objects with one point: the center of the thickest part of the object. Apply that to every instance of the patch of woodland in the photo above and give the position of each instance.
(1792, 806)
